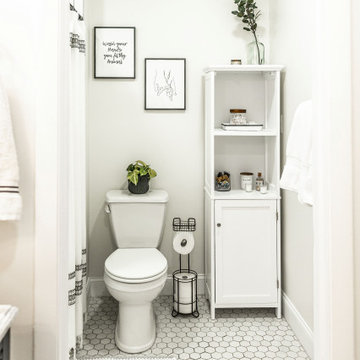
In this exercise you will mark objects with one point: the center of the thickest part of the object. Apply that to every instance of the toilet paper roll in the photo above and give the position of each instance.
(183, 242)
(185, 303)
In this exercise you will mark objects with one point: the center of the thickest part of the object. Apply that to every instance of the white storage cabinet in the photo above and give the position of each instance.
(242, 229)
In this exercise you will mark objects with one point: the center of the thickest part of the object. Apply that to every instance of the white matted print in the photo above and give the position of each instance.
(165, 84)
(114, 52)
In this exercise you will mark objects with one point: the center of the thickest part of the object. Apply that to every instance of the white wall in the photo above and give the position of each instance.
(291, 40)
(120, 131)
(356, 164)
(17, 41)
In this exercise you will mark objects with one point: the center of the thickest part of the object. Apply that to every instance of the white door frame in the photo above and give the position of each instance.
(51, 244)
(333, 213)
(333, 255)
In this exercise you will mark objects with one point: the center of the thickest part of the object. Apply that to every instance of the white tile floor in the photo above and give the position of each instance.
(235, 334)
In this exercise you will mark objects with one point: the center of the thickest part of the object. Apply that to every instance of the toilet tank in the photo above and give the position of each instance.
(137, 220)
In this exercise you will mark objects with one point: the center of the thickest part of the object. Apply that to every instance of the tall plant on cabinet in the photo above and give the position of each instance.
(248, 12)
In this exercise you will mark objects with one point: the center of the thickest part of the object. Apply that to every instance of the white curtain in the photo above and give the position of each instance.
(77, 186)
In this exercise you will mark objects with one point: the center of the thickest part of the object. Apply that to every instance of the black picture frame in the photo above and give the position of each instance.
(133, 29)
(147, 105)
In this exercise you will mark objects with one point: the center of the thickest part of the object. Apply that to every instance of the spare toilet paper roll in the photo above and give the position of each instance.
(185, 303)
(183, 242)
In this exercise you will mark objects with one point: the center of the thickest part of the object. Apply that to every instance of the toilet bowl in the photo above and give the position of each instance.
(136, 272)
(135, 277)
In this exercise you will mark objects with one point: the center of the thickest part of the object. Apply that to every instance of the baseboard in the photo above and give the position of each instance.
(87, 302)
(87, 289)
(96, 286)
(298, 325)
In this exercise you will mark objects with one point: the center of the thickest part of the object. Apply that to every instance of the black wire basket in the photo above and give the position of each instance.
(187, 225)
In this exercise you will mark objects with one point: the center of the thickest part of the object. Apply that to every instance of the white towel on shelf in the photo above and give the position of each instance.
(10, 200)
(297, 174)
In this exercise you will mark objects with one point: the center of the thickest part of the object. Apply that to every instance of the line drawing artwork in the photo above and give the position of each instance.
(168, 87)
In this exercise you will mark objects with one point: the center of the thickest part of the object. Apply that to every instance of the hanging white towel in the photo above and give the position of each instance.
(297, 174)
(10, 200)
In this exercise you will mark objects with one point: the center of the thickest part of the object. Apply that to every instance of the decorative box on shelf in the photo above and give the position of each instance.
(244, 127)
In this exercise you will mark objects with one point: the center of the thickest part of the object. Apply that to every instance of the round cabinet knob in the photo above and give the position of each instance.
(218, 225)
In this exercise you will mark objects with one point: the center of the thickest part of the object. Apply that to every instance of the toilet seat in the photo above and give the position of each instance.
(136, 265)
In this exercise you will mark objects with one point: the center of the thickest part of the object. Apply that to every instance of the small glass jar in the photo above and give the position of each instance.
(248, 188)
(222, 181)
(238, 116)
(259, 181)
(264, 188)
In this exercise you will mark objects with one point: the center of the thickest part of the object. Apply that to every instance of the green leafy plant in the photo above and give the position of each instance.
(139, 168)
(248, 13)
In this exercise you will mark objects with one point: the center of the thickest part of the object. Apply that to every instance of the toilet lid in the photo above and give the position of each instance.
(136, 264)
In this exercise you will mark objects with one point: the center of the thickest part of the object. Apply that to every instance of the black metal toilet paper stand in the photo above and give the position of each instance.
(185, 277)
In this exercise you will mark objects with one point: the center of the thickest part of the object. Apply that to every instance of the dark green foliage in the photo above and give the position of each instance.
(137, 169)
(248, 13)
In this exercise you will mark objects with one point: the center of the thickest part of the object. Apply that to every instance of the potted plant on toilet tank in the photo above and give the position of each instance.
(139, 175)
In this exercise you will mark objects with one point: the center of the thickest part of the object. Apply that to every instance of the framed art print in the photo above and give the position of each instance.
(165, 84)
(114, 52)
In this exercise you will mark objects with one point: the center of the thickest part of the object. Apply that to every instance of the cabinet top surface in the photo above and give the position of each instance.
(238, 194)
(244, 68)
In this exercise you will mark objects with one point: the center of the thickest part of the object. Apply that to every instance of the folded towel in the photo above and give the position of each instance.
(297, 174)
(10, 200)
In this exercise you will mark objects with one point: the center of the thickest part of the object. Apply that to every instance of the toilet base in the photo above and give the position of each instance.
(135, 327)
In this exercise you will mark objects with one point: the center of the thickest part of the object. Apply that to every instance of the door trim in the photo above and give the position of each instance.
(333, 195)
(50, 243)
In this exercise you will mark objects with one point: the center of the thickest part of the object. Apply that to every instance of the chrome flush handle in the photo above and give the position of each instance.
(107, 209)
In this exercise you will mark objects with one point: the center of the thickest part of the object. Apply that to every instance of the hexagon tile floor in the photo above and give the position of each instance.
(235, 334)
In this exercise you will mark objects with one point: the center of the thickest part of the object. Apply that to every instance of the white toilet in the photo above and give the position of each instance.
(136, 272)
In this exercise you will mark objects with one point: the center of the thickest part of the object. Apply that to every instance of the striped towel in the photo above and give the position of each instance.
(10, 200)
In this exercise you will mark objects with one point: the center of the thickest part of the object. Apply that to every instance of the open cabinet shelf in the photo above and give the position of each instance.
(242, 229)
(222, 132)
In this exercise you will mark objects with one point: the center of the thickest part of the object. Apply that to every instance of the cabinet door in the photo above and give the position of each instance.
(245, 252)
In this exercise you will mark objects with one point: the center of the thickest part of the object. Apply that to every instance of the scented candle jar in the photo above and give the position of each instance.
(238, 116)
(246, 178)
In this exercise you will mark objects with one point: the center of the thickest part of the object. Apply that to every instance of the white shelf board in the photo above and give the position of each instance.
(237, 194)
(244, 68)
(221, 132)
